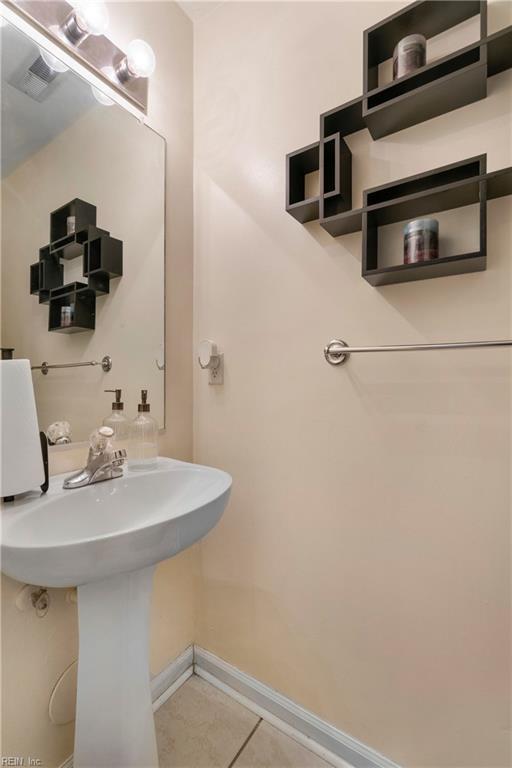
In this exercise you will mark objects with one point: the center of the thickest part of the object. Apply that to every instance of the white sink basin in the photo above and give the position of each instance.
(72, 537)
(106, 539)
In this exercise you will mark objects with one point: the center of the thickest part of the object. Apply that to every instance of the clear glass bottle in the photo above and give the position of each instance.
(144, 437)
(119, 423)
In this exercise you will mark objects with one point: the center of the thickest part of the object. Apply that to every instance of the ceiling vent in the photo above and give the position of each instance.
(36, 79)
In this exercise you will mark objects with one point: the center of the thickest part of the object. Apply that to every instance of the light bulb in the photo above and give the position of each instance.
(140, 59)
(103, 99)
(86, 18)
(52, 61)
(91, 16)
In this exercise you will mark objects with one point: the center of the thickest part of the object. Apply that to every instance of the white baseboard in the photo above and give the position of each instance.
(335, 746)
(317, 735)
(171, 677)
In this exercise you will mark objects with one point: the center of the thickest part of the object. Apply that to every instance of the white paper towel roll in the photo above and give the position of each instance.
(21, 461)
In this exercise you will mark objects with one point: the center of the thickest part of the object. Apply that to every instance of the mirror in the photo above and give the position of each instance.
(83, 200)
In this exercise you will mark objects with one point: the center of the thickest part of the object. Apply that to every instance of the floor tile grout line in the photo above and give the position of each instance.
(232, 763)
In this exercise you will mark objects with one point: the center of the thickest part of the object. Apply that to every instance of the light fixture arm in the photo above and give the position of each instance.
(72, 29)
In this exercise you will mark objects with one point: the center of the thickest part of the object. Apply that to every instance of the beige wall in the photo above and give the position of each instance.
(362, 567)
(36, 651)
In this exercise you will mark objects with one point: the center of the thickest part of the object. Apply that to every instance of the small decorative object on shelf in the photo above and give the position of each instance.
(409, 54)
(421, 240)
(73, 232)
(66, 316)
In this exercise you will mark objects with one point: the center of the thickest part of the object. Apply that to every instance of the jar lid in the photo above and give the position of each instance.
(420, 225)
(412, 40)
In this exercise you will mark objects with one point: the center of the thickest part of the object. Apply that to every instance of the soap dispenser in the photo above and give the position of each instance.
(118, 421)
(144, 437)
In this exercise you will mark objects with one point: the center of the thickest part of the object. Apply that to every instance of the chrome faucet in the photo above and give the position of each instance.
(103, 462)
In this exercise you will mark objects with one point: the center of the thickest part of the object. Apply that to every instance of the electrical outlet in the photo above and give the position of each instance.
(217, 374)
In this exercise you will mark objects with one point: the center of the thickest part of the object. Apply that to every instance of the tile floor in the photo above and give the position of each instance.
(201, 727)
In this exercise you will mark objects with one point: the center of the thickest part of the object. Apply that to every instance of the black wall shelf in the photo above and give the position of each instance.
(84, 213)
(71, 246)
(102, 262)
(45, 274)
(298, 165)
(81, 299)
(441, 189)
(335, 176)
(438, 87)
(442, 85)
(334, 160)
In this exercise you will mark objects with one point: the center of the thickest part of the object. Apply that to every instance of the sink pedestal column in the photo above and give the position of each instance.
(114, 718)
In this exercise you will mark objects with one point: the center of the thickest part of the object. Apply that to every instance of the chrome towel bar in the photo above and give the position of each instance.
(105, 362)
(337, 351)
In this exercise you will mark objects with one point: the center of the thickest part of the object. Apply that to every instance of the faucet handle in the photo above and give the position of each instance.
(100, 441)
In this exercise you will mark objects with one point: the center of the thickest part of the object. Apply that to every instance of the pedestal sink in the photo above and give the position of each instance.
(106, 539)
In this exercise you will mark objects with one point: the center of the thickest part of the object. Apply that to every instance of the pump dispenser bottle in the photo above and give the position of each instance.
(118, 422)
(144, 437)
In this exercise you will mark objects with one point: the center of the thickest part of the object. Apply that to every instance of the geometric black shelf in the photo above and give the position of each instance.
(441, 189)
(334, 159)
(445, 188)
(84, 214)
(45, 274)
(71, 246)
(298, 165)
(440, 86)
(335, 176)
(102, 261)
(83, 302)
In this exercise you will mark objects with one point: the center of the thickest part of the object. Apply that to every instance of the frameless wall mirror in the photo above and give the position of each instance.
(83, 236)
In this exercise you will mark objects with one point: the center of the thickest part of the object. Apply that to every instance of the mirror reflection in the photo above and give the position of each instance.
(82, 242)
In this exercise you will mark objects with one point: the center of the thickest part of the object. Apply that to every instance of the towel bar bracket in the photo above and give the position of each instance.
(334, 353)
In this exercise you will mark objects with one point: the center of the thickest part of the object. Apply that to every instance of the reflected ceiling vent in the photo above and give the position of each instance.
(36, 79)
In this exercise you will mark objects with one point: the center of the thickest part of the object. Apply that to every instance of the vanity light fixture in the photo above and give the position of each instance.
(78, 28)
(88, 17)
(139, 61)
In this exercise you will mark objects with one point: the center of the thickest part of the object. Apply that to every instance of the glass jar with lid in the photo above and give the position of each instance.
(421, 240)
